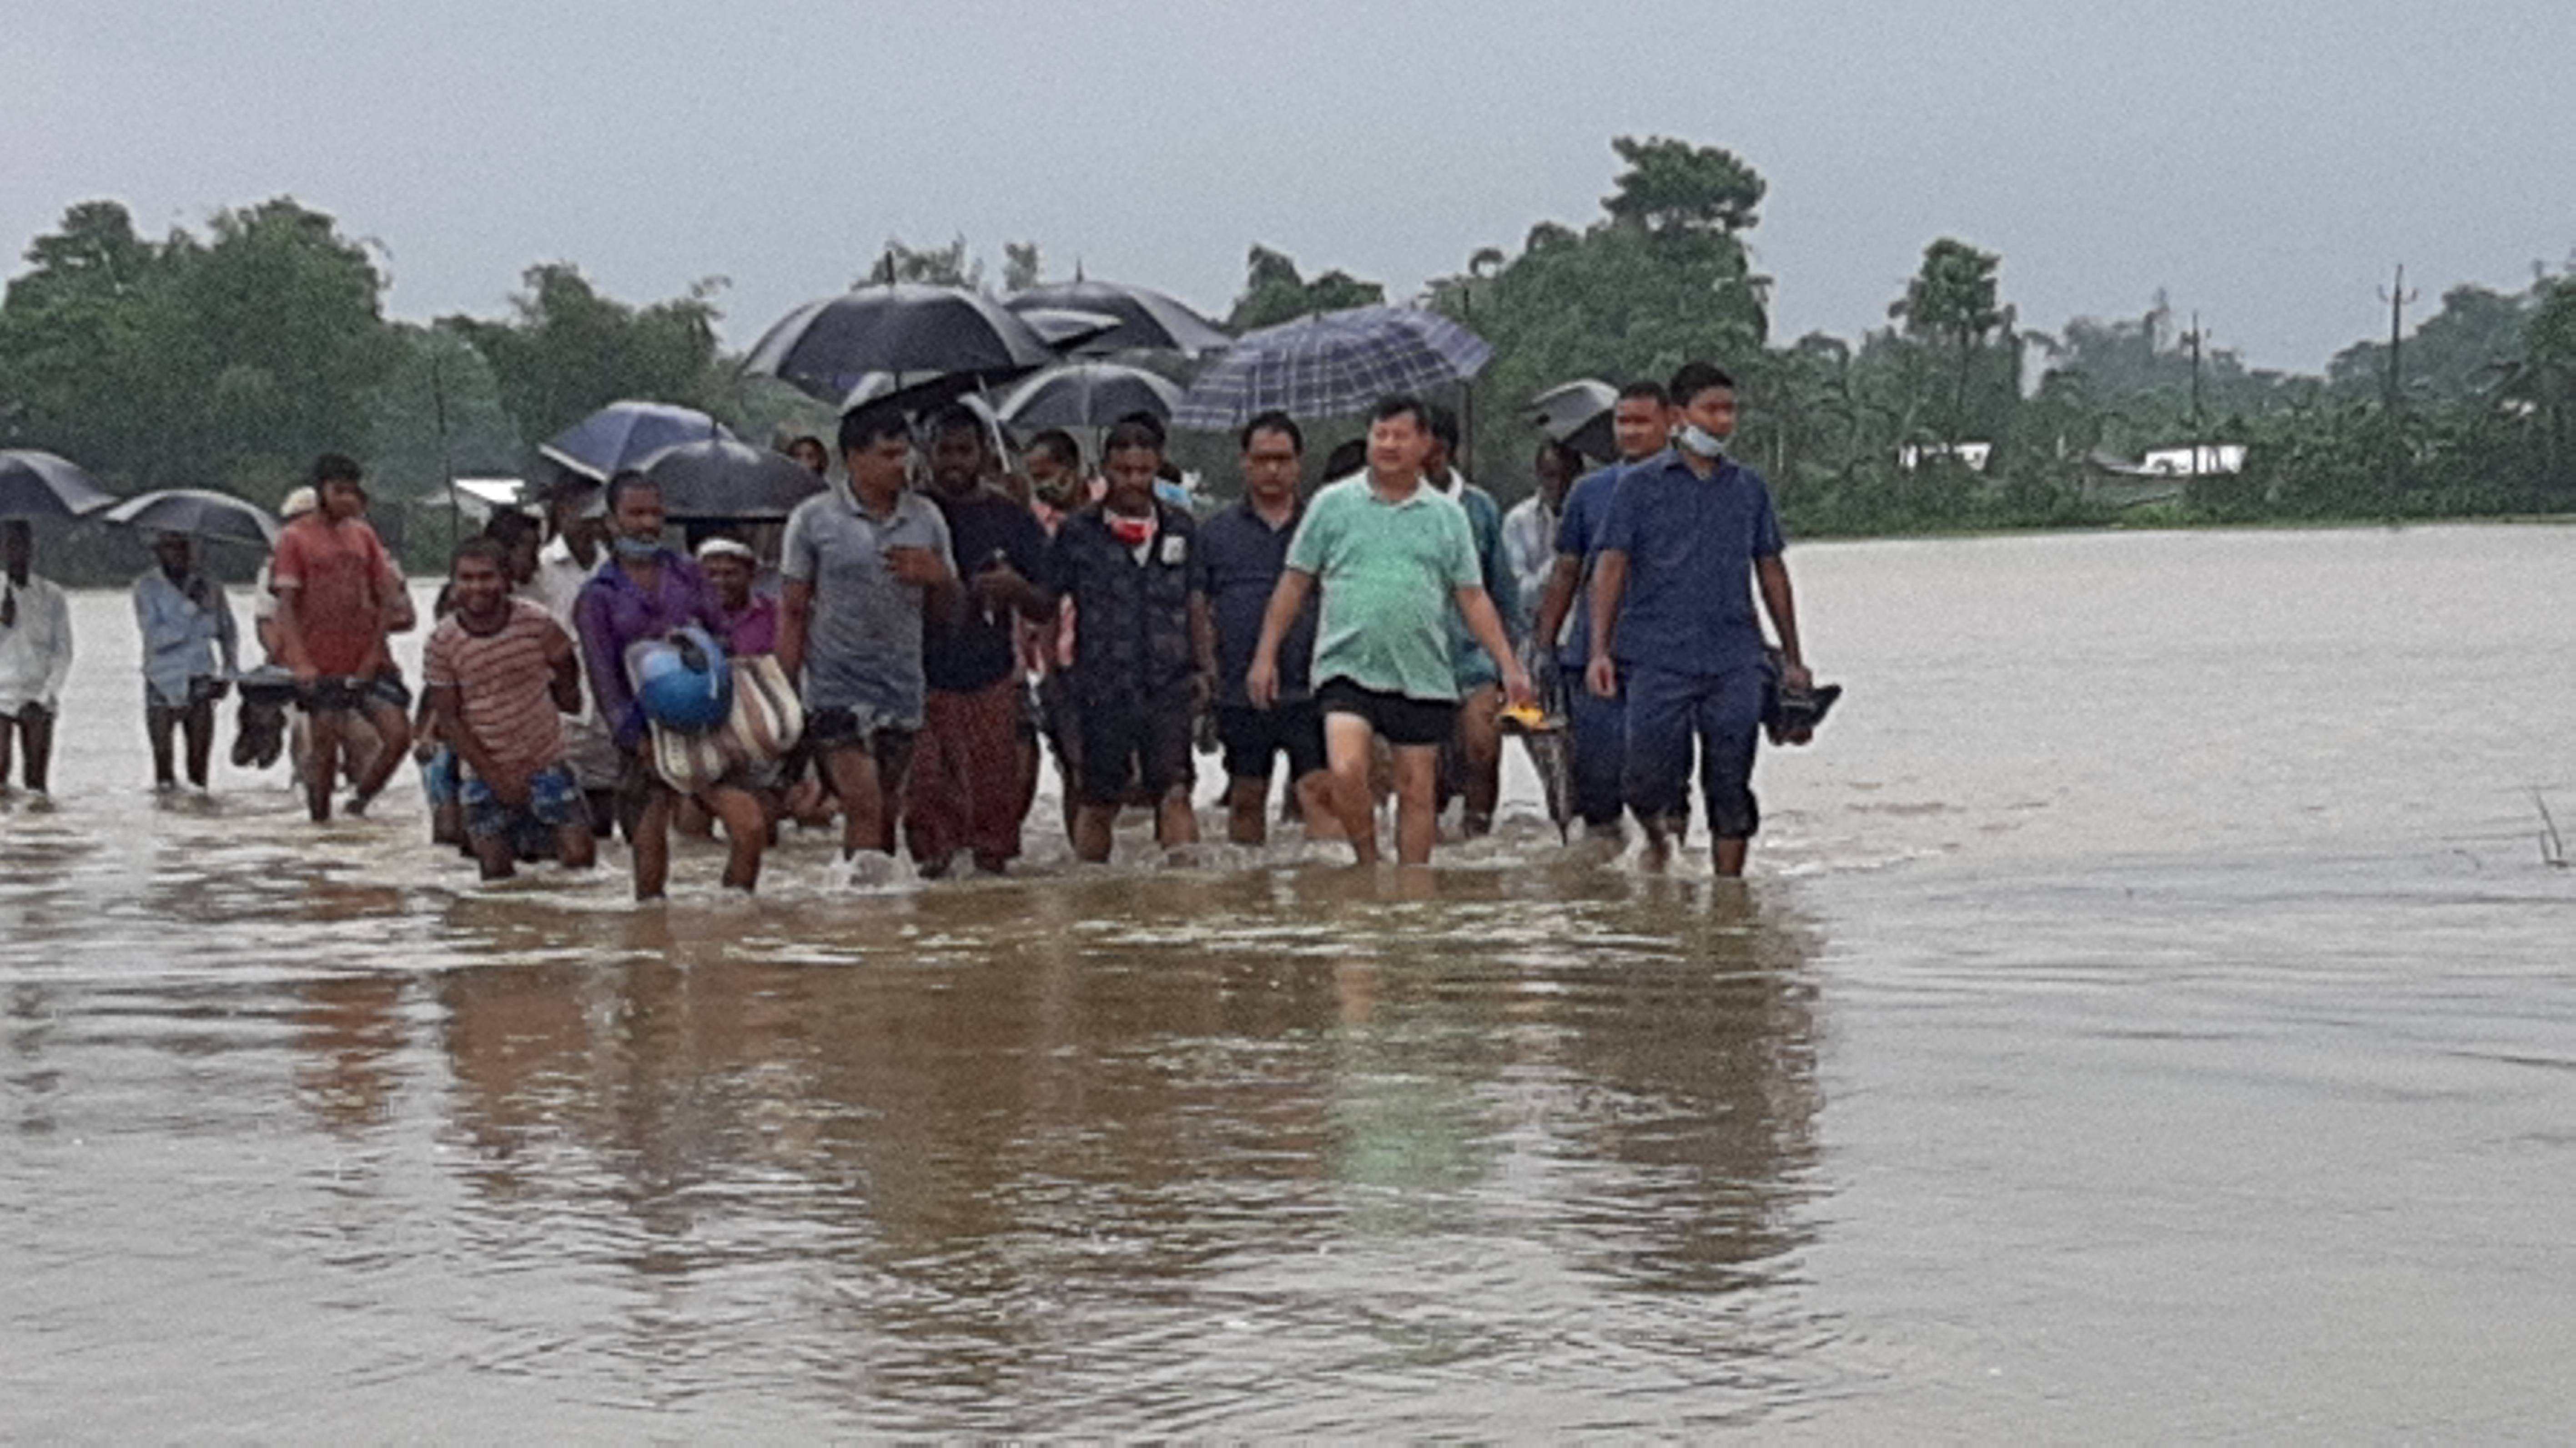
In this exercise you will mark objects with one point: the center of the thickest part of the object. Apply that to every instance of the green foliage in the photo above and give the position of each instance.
(226, 362)
(1275, 292)
(1660, 279)
(566, 351)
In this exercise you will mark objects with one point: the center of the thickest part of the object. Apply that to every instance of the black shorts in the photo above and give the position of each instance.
(1132, 740)
(827, 730)
(356, 692)
(1253, 737)
(1399, 719)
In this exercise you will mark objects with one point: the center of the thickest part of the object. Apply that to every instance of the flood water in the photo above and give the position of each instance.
(2151, 1016)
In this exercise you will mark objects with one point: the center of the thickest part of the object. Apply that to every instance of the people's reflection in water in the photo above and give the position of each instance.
(1110, 1089)
(349, 1041)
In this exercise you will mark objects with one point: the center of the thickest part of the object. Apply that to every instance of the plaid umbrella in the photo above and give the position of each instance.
(1331, 364)
(625, 435)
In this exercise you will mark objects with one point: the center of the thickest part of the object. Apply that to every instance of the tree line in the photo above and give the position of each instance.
(228, 359)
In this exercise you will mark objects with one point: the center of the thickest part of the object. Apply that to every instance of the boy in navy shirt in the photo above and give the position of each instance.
(1689, 535)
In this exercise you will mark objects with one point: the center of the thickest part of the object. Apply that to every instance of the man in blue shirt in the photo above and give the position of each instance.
(1640, 425)
(1673, 626)
(1242, 551)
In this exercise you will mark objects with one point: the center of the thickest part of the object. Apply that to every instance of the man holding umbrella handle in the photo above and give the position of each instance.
(191, 649)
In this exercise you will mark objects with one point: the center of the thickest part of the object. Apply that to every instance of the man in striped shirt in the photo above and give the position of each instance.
(501, 673)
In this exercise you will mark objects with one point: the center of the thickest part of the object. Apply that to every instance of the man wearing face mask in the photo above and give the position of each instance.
(1689, 535)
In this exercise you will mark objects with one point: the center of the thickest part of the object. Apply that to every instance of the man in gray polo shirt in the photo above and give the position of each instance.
(864, 560)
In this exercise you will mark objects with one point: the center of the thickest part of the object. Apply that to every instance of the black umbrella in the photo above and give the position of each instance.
(1088, 394)
(824, 348)
(1146, 318)
(718, 478)
(1066, 331)
(199, 513)
(40, 485)
(624, 434)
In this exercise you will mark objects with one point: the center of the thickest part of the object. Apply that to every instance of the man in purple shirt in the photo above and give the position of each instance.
(645, 592)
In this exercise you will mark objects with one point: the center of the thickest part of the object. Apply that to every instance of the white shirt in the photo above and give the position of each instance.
(35, 649)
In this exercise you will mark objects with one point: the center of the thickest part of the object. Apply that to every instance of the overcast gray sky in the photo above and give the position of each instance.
(2266, 163)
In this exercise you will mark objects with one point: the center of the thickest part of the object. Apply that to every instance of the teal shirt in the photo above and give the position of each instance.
(1389, 574)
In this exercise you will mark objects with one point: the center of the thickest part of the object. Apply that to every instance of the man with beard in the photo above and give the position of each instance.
(966, 791)
(866, 563)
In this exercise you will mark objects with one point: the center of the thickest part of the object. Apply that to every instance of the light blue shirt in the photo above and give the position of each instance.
(187, 633)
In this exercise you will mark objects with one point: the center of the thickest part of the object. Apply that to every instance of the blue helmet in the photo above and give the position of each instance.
(682, 679)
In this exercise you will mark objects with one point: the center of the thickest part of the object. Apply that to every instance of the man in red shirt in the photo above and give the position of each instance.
(339, 595)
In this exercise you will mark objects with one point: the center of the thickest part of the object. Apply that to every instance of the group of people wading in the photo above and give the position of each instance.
(930, 615)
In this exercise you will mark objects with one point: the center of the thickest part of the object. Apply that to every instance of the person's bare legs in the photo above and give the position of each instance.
(1728, 857)
(393, 736)
(867, 820)
(746, 827)
(8, 742)
(1480, 758)
(1175, 823)
(1247, 801)
(576, 848)
(1094, 829)
(322, 759)
(1417, 791)
(1349, 759)
(495, 855)
(650, 842)
(1314, 794)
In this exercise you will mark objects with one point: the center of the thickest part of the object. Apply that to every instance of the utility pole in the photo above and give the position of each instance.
(2398, 299)
(2199, 419)
(2393, 455)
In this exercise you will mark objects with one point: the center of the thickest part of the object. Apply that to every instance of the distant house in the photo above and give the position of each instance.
(2194, 462)
(1970, 455)
(2160, 476)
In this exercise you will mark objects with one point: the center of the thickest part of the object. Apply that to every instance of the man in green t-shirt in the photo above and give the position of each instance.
(1394, 558)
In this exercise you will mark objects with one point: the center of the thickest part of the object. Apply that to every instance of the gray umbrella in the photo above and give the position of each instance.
(1088, 394)
(1578, 414)
(719, 478)
(199, 513)
(826, 347)
(40, 485)
(1146, 319)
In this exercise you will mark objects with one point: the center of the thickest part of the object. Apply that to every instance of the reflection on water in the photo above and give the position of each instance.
(1122, 1159)
(2141, 1024)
